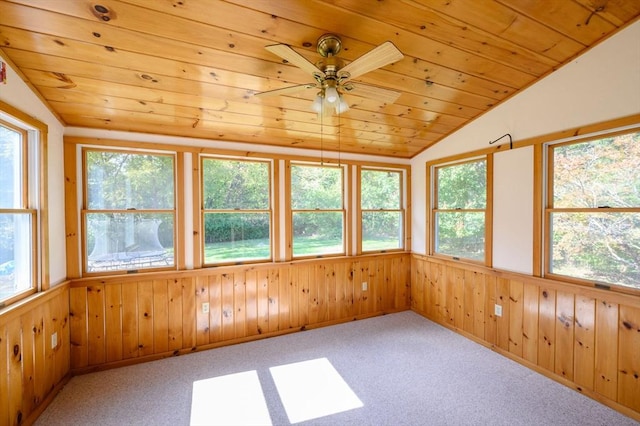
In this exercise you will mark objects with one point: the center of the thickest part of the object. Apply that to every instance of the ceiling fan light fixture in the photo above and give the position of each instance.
(331, 94)
(316, 106)
(342, 106)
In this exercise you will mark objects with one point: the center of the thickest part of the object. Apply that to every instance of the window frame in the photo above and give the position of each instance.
(34, 200)
(432, 197)
(269, 210)
(85, 211)
(401, 208)
(290, 211)
(550, 209)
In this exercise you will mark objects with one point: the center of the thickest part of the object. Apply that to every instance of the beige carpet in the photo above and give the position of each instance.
(402, 368)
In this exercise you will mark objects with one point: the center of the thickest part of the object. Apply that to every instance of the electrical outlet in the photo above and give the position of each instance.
(205, 308)
(365, 286)
(498, 310)
(54, 340)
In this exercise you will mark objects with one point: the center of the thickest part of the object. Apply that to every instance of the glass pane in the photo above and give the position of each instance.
(235, 185)
(462, 186)
(316, 187)
(317, 233)
(380, 190)
(15, 254)
(234, 237)
(120, 181)
(129, 241)
(381, 230)
(601, 247)
(598, 173)
(11, 163)
(460, 234)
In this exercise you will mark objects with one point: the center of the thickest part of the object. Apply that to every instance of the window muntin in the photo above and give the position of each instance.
(382, 217)
(593, 212)
(129, 219)
(236, 210)
(459, 216)
(17, 214)
(318, 217)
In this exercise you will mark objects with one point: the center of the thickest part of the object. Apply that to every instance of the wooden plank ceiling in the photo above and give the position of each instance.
(191, 67)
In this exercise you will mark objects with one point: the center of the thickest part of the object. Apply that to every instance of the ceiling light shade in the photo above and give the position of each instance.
(331, 94)
(342, 105)
(316, 106)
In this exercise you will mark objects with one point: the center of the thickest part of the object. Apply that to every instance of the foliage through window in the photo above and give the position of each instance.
(18, 212)
(381, 207)
(129, 215)
(459, 215)
(237, 210)
(317, 210)
(593, 210)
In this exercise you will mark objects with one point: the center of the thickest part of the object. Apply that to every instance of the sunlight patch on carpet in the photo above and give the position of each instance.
(234, 399)
(312, 389)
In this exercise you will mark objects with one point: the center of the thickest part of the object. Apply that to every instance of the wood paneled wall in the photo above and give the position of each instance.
(586, 338)
(122, 319)
(32, 369)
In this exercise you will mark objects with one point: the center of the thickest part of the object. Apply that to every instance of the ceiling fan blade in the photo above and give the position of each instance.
(293, 57)
(377, 57)
(385, 95)
(287, 90)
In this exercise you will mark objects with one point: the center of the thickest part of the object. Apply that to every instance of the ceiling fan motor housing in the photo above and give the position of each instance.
(329, 45)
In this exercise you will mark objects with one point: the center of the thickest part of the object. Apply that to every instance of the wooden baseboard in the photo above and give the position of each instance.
(47, 400)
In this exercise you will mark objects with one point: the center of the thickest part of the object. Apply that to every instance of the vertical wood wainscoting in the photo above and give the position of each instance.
(125, 319)
(585, 338)
(33, 367)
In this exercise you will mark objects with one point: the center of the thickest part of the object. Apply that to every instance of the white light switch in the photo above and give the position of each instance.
(54, 340)
(498, 310)
(205, 308)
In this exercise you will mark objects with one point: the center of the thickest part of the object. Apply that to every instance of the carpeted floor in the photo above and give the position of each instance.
(404, 369)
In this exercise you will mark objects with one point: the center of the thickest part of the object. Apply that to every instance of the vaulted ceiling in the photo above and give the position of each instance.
(192, 67)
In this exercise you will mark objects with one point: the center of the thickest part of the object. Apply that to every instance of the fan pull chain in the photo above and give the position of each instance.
(322, 135)
(339, 135)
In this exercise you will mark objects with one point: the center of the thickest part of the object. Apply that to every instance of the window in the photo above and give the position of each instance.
(381, 209)
(129, 211)
(317, 210)
(19, 181)
(459, 216)
(236, 210)
(593, 210)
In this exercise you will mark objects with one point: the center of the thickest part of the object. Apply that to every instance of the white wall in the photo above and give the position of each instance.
(513, 210)
(600, 85)
(17, 94)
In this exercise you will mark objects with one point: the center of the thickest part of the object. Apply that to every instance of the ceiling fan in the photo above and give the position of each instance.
(333, 78)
